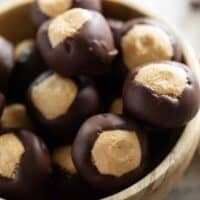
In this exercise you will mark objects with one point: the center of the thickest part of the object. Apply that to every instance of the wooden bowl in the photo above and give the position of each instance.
(15, 24)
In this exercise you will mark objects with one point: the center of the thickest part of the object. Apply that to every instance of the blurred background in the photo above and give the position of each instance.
(185, 15)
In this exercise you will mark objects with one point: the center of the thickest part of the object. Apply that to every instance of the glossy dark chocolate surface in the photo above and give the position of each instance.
(81, 152)
(33, 171)
(161, 110)
(64, 128)
(6, 62)
(116, 27)
(88, 4)
(89, 52)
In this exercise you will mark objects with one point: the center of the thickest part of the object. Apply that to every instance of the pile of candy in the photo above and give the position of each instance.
(92, 105)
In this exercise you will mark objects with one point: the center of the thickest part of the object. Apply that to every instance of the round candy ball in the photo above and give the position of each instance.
(58, 105)
(164, 94)
(74, 44)
(110, 152)
(66, 178)
(145, 40)
(24, 164)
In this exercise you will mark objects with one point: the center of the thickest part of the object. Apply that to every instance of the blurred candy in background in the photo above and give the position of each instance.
(185, 14)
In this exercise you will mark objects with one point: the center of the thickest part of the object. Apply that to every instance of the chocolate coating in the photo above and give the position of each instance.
(116, 27)
(161, 143)
(93, 47)
(83, 144)
(29, 64)
(118, 70)
(162, 111)
(88, 4)
(6, 62)
(177, 53)
(33, 171)
(39, 17)
(64, 128)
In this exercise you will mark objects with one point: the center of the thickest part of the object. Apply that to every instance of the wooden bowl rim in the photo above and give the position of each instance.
(192, 130)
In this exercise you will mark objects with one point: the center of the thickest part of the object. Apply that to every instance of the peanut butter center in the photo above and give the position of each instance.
(145, 43)
(11, 151)
(164, 79)
(67, 25)
(54, 96)
(117, 152)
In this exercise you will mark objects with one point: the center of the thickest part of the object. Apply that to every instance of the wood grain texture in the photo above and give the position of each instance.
(15, 24)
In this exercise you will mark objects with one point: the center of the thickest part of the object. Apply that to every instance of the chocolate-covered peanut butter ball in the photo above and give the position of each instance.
(2, 102)
(116, 27)
(29, 64)
(24, 164)
(59, 105)
(164, 94)
(62, 158)
(77, 42)
(6, 62)
(110, 152)
(147, 40)
(117, 106)
(68, 183)
(15, 116)
(43, 10)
